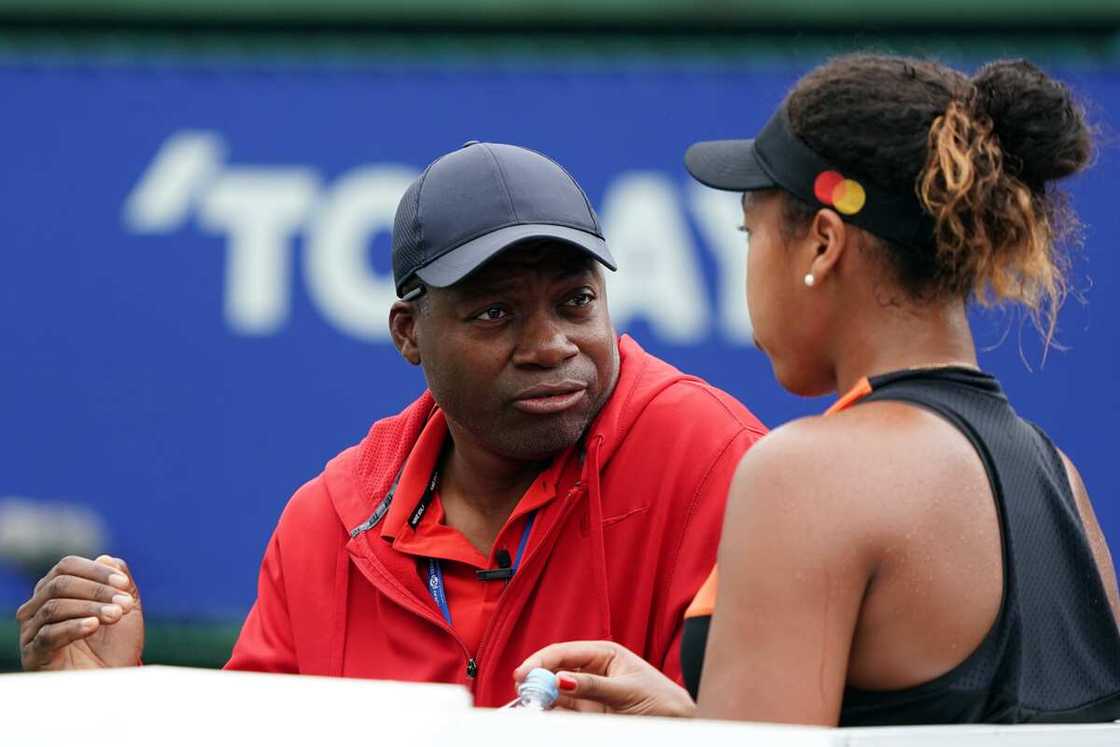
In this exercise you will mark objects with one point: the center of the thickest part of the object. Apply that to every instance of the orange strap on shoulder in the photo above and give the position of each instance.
(855, 394)
(705, 600)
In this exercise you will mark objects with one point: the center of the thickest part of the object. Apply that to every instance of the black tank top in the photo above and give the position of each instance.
(1053, 653)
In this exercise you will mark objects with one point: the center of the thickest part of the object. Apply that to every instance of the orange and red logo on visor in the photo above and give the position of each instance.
(846, 195)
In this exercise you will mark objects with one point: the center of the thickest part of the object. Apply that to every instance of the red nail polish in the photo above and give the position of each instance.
(566, 683)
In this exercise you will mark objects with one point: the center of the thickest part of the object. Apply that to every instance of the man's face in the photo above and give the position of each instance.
(521, 355)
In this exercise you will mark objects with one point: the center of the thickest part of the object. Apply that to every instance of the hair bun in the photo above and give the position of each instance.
(1042, 130)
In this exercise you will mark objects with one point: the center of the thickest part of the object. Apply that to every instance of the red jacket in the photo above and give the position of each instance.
(618, 555)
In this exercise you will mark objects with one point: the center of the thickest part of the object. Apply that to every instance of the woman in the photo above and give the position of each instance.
(920, 554)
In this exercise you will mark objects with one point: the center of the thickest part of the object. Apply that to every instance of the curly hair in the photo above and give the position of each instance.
(980, 154)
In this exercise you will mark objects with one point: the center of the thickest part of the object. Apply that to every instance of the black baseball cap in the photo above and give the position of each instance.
(777, 158)
(475, 202)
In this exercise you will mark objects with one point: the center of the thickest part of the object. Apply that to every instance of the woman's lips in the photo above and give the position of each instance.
(549, 404)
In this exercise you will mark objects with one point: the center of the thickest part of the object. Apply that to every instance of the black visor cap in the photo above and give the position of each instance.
(729, 165)
(777, 158)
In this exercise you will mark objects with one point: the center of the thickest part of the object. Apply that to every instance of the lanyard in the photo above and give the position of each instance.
(435, 571)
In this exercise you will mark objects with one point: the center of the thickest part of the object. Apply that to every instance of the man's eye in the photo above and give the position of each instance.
(492, 314)
(743, 229)
(580, 299)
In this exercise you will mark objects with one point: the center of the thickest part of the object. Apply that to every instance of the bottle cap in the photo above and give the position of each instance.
(541, 683)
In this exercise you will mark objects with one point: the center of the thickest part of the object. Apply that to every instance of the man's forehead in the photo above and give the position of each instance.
(539, 257)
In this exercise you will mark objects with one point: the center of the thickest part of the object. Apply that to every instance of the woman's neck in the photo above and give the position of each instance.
(893, 338)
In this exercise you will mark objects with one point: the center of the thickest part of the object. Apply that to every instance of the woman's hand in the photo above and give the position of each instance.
(604, 677)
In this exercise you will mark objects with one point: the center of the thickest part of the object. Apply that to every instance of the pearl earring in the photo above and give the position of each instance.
(809, 280)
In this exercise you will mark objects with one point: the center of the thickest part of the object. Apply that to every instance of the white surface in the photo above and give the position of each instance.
(555, 729)
(155, 705)
(169, 706)
(1079, 735)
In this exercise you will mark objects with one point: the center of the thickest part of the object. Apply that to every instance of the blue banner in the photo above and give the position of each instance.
(196, 279)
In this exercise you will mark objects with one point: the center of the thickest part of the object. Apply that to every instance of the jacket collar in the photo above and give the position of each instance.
(358, 483)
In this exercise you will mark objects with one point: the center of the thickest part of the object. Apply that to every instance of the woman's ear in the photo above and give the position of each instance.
(402, 327)
(825, 243)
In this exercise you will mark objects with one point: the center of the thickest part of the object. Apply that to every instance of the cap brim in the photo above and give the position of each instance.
(727, 164)
(463, 260)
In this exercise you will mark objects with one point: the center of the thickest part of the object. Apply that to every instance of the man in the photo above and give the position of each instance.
(554, 483)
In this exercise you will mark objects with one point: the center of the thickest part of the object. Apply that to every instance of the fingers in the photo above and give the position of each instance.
(605, 676)
(38, 652)
(614, 694)
(74, 588)
(80, 578)
(71, 602)
(98, 570)
(589, 656)
(60, 610)
(122, 567)
(564, 703)
(644, 691)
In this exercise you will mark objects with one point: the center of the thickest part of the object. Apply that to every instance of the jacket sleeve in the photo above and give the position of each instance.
(698, 542)
(266, 642)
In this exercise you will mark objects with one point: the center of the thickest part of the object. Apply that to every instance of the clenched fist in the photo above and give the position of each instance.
(84, 614)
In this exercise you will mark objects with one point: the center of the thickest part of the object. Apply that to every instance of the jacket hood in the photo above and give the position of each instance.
(359, 478)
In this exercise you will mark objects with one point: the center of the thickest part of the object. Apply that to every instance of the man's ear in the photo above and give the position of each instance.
(827, 238)
(402, 326)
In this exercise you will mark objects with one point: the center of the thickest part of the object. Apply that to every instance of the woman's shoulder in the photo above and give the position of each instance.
(858, 436)
(872, 465)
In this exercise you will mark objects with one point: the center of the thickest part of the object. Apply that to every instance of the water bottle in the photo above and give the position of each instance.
(538, 692)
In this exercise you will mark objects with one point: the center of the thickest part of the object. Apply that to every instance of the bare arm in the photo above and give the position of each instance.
(794, 565)
(795, 560)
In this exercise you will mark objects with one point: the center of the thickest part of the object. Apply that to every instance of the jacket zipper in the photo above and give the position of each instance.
(483, 646)
(472, 667)
(472, 664)
(409, 603)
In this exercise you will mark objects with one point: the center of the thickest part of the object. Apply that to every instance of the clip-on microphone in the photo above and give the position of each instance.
(504, 571)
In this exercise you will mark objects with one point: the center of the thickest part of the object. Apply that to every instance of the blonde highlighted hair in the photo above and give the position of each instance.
(981, 154)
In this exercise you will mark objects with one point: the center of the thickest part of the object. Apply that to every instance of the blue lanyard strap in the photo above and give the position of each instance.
(435, 588)
(524, 540)
(435, 571)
